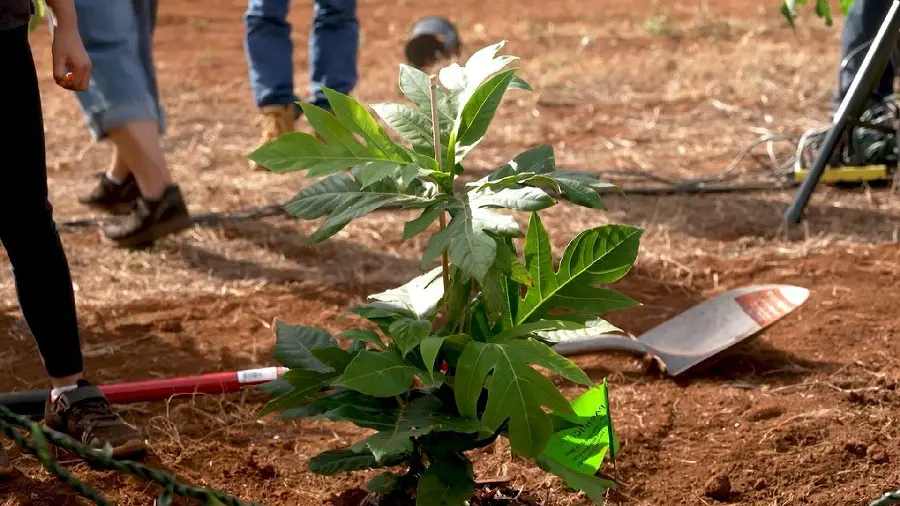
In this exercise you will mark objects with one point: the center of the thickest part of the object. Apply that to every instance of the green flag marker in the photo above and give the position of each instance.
(583, 447)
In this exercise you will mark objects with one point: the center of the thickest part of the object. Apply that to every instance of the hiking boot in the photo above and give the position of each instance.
(84, 415)
(117, 199)
(274, 121)
(6, 467)
(151, 220)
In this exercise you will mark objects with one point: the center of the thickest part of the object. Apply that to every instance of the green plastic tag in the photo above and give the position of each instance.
(582, 448)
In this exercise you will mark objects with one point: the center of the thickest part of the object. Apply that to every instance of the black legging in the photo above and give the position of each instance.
(27, 229)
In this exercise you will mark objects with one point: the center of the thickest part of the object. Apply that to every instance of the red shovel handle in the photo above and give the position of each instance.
(31, 403)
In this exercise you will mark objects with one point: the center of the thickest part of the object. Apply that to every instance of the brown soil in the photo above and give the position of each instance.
(805, 414)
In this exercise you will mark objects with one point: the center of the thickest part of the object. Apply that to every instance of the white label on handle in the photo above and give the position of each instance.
(258, 375)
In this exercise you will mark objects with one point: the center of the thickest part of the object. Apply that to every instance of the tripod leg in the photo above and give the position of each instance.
(873, 66)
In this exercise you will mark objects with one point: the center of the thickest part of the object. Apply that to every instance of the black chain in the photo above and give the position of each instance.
(42, 438)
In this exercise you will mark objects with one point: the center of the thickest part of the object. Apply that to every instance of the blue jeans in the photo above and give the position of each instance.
(118, 36)
(860, 27)
(333, 48)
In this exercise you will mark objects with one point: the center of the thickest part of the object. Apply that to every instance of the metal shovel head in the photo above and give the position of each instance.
(704, 330)
(717, 324)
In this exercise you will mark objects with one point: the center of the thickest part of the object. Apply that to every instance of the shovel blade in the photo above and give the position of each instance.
(720, 323)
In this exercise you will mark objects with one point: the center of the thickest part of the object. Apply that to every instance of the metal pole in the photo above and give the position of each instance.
(872, 68)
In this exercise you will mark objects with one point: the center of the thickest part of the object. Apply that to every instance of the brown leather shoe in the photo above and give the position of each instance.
(84, 415)
(274, 121)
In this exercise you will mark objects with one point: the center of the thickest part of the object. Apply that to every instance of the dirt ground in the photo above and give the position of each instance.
(807, 413)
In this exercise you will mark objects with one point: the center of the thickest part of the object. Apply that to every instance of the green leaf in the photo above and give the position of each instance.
(407, 333)
(478, 111)
(845, 6)
(344, 405)
(507, 262)
(517, 392)
(823, 10)
(430, 347)
(417, 418)
(343, 200)
(467, 242)
(520, 199)
(536, 160)
(383, 483)
(361, 335)
(378, 373)
(412, 124)
(447, 482)
(300, 151)
(332, 462)
(334, 357)
(294, 346)
(415, 227)
(355, 117)
(305, 385)
(600, 255)
(592, 486)
(419, 297)
(517, 83)
(587, 330)
(414, 84)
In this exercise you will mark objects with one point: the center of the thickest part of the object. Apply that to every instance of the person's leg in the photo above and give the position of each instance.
(269, 52)
(43, 281)
(333, 48)
(860, 27)
(123, 104)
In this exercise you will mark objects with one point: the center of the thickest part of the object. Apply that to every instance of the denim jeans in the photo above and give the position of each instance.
(333, 48)
(860, 27)
(118, 36)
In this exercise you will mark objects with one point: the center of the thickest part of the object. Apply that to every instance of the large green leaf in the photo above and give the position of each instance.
(419, 297)
(383, 483)
(413, 124)
(447, 482)
(305, 385)
(467, 240)
(356, 118)
(332, 462)
(516, 391)
(378, 373)
(414, 84)
(343, 199)
(417, 418)
(521, 199)
(407, 333)
(345, 405)
(295, 344)
(477, 113)
(596, 256)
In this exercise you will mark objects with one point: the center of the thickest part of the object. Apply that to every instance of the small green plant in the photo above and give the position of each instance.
(823, 9)
(452, 367)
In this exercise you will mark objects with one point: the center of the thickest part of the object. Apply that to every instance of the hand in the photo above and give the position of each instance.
(71, 63)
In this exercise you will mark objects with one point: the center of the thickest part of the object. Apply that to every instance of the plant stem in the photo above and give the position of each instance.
(436, 130)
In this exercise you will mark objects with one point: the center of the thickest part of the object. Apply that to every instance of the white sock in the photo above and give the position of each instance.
(112, 177)
(56, 392)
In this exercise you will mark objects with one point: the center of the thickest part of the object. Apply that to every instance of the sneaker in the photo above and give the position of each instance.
(84, 415)
(275, 121)
(6, 467)
(151, 220)
(117, 199)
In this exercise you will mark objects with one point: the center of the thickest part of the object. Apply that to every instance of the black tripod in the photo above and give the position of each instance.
(854, 103)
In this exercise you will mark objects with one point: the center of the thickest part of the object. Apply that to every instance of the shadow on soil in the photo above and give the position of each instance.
(327, 262)
(730, 217)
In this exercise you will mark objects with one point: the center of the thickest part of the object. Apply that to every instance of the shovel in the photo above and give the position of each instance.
(701, 332)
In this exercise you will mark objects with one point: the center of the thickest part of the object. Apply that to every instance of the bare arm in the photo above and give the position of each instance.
(71, 64)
